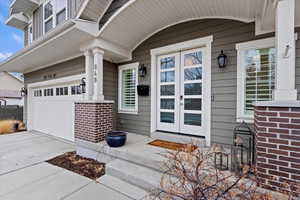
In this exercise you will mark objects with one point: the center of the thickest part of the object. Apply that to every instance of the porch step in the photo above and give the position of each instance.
(123, 187)
(150, 157)
(137, 175)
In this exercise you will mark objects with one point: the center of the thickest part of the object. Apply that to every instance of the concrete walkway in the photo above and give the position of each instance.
(24, 174)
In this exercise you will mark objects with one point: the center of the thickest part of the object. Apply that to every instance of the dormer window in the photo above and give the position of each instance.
(60, 11)
(48, 16)
(55, 13)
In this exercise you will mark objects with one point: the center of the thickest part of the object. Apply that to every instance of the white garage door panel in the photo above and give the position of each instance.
(54, 118)
(51, 107)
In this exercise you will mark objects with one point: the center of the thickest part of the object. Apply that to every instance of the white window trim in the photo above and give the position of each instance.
(121, 68)
(53, 16)
(241, 47)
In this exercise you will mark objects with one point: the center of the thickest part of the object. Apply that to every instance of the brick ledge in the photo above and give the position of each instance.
(277, 104)
(95, 101)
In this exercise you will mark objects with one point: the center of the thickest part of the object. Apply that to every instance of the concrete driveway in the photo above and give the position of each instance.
(24, 149)
(25, 175)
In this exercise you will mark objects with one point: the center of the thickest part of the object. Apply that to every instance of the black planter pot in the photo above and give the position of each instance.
(116, 138)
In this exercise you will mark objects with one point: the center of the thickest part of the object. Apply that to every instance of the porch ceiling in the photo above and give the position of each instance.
(140, 19)
(58, 45)
(94, 9)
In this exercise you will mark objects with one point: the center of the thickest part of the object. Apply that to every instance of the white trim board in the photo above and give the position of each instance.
(57, 81)
(191, 44)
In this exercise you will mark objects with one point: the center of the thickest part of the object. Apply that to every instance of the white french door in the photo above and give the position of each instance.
(181, 92)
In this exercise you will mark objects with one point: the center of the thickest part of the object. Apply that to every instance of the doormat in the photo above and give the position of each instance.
(173, 145)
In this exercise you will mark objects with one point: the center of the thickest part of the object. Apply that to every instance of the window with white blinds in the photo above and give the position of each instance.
(260, 76)
(255, 75)
(128, 79)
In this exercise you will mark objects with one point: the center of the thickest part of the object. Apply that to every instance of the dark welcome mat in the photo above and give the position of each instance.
(173, 145)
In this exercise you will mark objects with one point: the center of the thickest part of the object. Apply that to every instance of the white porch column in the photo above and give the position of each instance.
(98, 74)
(285, 44)
(89, 71)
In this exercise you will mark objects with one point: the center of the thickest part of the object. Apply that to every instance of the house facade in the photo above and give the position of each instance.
(110, 42)
(155, 68)
(10, 87)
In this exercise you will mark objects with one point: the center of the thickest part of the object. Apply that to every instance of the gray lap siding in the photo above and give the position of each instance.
(227, 34)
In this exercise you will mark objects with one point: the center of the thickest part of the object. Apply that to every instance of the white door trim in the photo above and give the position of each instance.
(191, 44)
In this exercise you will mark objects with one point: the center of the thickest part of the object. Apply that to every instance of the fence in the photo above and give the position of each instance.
(11, 112)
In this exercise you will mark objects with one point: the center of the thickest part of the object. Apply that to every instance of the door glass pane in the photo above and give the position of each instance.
(167, 76)
(193, 89)
(167, 117)
(167, 63)
(168, 104)
(193, 58)
(167, 90)
(192, 104)
(193, 74)
(192, 119)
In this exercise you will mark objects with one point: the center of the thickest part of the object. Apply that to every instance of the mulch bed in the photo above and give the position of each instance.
(84, 166)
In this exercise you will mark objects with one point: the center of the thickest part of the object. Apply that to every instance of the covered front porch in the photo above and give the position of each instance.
(160, 42)
(223, 106)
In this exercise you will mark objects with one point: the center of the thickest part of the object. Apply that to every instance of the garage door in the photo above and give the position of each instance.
(52, 108)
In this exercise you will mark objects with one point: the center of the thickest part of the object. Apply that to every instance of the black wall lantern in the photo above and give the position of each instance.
(142, 70)
(23, 92)
(222, 60)
(83, 85)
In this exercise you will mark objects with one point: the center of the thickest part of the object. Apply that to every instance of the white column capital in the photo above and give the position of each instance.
(97, 50)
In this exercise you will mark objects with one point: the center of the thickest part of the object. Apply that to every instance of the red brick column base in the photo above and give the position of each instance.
(93, 121)
(277, 145)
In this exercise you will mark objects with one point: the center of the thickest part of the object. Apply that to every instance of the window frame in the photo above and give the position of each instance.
(54, 14)
(241, 75)
(120, 70)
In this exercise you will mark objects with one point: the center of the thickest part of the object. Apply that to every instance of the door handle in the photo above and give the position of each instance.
(181, 100)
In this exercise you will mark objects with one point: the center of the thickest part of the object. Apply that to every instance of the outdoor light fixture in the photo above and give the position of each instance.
(23, 91)
(221, 158)
(83, 85)
(222, 60)
(142, 70)
(243, 149)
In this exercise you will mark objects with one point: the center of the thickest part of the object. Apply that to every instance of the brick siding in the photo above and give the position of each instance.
(93, 121)
(277, 146)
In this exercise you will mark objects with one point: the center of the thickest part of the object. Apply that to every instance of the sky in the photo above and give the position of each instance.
(11, 39)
